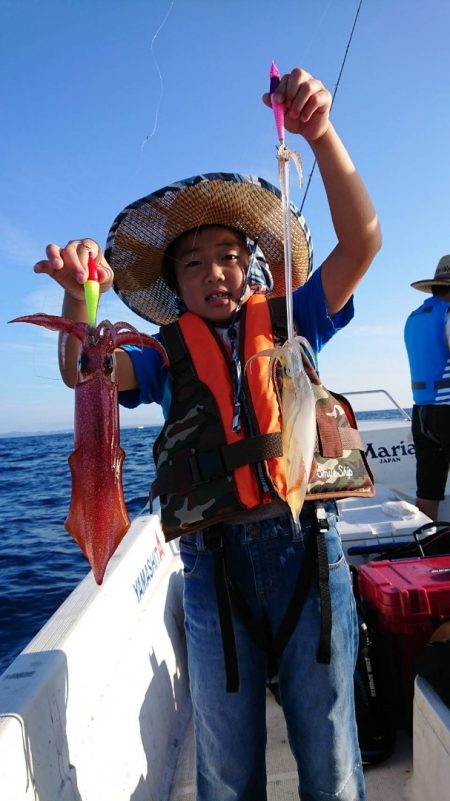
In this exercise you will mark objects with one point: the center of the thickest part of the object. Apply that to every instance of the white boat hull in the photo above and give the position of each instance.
(94, 707)
(391, 456)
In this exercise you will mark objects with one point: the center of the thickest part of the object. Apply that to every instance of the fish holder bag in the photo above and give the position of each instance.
(340, 468)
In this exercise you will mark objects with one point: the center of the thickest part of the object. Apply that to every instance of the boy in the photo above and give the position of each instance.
(196, 258)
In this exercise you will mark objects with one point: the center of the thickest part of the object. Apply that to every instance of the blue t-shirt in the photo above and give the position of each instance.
(311, 320)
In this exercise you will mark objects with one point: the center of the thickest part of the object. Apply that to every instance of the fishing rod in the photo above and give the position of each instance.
(333, 96)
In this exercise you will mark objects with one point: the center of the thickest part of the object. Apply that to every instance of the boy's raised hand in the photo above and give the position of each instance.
(69, 266)
(306, 102)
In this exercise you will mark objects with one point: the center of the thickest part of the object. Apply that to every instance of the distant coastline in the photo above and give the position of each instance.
(56, 431)
(14, 434)
(362, 415)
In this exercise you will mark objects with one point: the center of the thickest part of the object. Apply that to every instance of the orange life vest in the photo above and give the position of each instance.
(201, 462)
(207, 473)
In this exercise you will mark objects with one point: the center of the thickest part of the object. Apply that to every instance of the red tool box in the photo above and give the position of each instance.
(408, 599)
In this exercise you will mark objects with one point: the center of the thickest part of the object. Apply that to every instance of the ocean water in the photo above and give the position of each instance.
(40, 564)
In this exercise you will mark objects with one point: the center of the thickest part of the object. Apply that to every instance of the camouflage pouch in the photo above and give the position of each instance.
(340, 468)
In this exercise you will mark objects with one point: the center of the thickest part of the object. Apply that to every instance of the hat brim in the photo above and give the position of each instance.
(428, 284)
(142, 232)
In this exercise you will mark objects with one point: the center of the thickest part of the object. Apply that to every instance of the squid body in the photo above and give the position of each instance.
(298, 431)
(298, 417)
(97, 518)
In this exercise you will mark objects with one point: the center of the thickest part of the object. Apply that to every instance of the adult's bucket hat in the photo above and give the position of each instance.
(441, 277)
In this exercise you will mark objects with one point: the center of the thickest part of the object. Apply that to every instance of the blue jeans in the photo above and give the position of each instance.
(264, 559)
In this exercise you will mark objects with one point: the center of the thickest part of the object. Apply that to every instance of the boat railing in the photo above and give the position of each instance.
(402, 411)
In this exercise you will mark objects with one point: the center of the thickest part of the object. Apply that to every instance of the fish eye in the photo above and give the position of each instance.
(108, 365)
(83, 363)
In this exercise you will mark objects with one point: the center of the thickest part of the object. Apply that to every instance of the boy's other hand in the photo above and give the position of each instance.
(69, 266)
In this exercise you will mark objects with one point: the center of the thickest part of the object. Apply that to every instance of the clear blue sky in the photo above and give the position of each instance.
(85, 83)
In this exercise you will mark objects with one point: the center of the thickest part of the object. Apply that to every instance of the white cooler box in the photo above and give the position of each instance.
(386, 518)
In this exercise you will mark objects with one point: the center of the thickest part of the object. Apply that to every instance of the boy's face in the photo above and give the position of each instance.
(210, 267)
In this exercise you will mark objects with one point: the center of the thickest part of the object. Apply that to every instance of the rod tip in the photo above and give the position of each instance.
(274, 71)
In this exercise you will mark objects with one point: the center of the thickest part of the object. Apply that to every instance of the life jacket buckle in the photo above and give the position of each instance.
(206, 465)
(321, 517)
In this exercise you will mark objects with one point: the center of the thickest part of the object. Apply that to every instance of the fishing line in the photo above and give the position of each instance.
(315, 34)
(161, 82)
(333, 96)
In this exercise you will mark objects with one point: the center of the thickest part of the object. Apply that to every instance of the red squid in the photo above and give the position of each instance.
(97, 518)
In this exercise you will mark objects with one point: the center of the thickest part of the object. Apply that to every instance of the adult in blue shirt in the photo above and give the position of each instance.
(427, 339)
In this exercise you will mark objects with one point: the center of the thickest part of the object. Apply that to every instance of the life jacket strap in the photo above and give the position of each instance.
(191, 467)
(443, 383)
(226, 622)
(229, 595)
(176, 350)
(324, 650)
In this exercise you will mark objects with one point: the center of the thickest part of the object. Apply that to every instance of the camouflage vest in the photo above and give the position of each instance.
(206, 473)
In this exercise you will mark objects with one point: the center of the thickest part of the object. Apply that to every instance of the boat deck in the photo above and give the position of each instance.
(389, 781)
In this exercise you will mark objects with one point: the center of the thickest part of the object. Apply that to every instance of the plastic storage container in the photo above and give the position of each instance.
(408, 599)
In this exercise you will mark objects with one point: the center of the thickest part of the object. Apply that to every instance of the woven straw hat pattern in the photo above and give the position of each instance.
(441, 277)
(142, 232)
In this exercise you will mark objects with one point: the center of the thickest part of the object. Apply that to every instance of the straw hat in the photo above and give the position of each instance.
(441, 277)
(141, 233)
